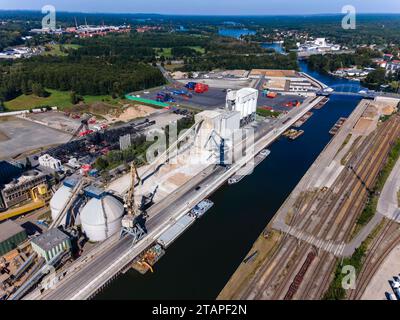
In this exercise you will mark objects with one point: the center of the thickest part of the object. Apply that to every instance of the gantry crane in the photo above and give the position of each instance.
(219, 145)
(130, 224)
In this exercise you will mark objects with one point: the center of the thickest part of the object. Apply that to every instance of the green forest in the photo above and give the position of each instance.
(331, 62)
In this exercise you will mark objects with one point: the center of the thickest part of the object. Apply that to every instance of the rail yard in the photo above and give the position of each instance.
(320, 223)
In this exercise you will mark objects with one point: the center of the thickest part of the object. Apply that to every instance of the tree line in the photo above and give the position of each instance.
(84, 75)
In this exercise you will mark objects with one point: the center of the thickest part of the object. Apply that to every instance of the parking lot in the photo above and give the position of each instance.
(215, 98)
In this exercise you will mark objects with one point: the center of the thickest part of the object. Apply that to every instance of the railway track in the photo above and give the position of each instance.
(290, 247)
(370, 267)
(365, 161)
(368, 174)
(379, 142)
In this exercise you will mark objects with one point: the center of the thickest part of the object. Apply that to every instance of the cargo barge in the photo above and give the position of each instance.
(182, 224)
(321, 103)
(302, 120)
(151, 256)
(243, 172)
(293, 134)
(337, 126)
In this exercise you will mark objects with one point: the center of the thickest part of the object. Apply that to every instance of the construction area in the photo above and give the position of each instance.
(322, 221)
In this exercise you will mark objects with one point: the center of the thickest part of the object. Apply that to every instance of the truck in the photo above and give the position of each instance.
(294, 103)
(183, 93)
(191, 85)
(85, 133)
(164, 97)
(201, 88)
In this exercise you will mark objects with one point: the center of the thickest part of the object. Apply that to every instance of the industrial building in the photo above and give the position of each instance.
(100, 215)
(50, 162)
(11, 235)
(51, 243)
(243, 101)
(317, 46)
(220, 128)
(19, 189)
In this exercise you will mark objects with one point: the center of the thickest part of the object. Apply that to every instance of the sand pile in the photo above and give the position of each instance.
(136, 111)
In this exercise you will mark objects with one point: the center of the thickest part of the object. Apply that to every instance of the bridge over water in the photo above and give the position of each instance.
(353, 88)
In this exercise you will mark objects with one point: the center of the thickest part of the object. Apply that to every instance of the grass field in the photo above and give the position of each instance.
(55, 49)
(60, 99)
(198, 49)
(166, 52)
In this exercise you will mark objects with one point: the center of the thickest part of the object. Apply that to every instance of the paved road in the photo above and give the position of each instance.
(388, 200)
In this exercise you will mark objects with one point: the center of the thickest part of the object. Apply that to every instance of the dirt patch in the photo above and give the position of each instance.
(388, 110)
(371, 112)
(136, 111)
(274, 73)
(363, 125)
(179, 179)
(240, 279)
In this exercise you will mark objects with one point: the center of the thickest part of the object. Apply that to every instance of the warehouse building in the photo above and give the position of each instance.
(48, 161)
(19, 189)
(11, 235)
(51, 243)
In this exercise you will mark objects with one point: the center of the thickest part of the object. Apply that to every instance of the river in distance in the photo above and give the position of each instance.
(201, 261)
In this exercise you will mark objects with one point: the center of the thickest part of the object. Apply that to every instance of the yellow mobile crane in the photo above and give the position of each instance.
(129, 222)
(130, 205)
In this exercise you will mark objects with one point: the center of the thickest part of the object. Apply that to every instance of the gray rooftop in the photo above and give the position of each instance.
(50, 239)
(8, 229)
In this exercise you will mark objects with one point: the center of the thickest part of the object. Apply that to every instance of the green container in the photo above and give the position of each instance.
(147, 101)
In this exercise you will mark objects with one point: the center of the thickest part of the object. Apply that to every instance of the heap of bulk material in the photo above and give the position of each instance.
(101, 217)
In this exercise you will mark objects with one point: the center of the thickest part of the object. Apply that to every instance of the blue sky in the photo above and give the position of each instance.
(217, 7)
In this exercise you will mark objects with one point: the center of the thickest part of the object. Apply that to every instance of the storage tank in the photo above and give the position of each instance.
(59, 201)
(101, 218)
